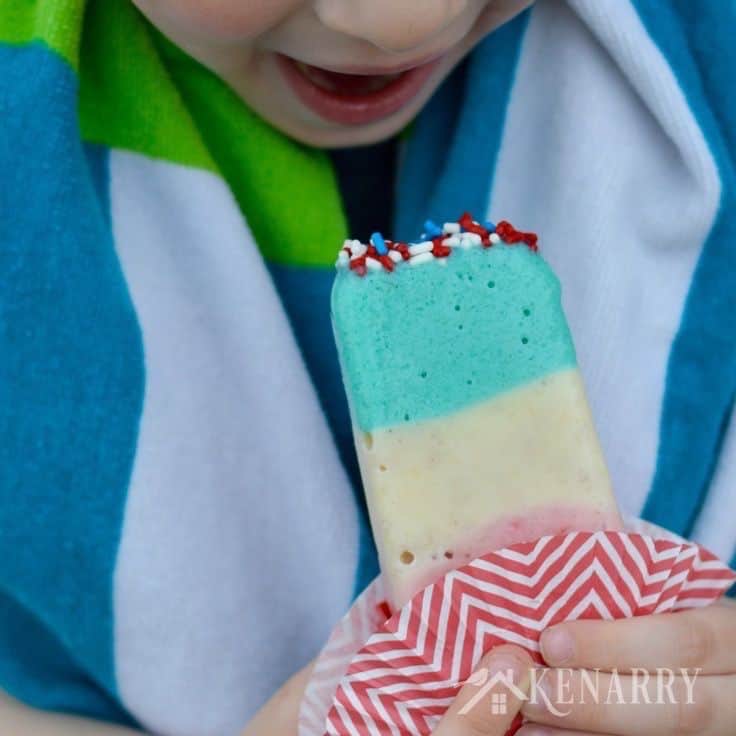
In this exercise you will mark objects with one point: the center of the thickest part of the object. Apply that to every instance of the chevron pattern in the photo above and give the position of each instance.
(366, 616)
(404, 678)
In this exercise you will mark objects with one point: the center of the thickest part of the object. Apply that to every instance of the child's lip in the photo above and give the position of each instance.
(355, 95)
(365, 69)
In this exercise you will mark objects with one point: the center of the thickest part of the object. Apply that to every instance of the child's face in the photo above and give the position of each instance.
(331, 72)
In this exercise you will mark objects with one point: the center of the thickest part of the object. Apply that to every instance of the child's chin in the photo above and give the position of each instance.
(331, 135)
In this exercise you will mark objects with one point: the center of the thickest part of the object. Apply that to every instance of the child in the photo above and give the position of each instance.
(181, 521)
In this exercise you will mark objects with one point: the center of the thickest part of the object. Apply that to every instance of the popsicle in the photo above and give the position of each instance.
(470, 417)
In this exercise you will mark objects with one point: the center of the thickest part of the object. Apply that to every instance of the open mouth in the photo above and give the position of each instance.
(347, 85)
(351, 98)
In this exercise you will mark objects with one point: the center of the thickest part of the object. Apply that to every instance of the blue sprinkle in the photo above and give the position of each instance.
(432, 229)
(379, 243)
(488, 225)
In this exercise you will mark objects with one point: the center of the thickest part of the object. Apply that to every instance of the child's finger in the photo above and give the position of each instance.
(492, 697)
(703, 638)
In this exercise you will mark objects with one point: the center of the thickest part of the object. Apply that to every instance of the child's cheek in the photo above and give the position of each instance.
(217, 20)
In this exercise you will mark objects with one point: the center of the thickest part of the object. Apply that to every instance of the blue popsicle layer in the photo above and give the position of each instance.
(426, 341)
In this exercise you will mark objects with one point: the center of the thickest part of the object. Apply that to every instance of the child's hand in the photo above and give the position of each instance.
(280, 715)
(471, 713)
(475, 711)
(643, 704)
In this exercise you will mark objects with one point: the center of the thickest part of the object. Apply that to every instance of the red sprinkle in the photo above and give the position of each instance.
(509, 234)
(388, 264)
(467, 223)
(439, 250)
(403, 248)
(358, 265)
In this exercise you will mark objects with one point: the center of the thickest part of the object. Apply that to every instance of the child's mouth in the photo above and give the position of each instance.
(350, 98)
(346, 84)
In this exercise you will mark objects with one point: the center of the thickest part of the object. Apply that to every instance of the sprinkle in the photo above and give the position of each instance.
(511, 235)
(358, 265)
(359, 250)
(419, 248)
(403, 248)
(432, 229)
(421, 258)
(379, 243)
(383, 254)
(439, 250)
(386, 262)
(468, 224)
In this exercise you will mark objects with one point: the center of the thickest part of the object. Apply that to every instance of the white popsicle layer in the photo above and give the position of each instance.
(515, 467)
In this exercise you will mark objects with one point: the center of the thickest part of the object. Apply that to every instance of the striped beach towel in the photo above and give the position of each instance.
(178, 533)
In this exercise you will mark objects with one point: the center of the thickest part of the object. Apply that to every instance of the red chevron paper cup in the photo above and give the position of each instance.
(397, 675)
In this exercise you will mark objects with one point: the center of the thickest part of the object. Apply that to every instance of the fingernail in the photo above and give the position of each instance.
(510, 667)
(557, 646)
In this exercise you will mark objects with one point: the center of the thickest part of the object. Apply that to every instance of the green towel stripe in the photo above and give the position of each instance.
(138, 92)
(126, 97)
(287, 192)
(56, 23)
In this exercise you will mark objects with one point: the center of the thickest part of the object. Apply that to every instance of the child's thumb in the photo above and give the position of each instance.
(491, 698)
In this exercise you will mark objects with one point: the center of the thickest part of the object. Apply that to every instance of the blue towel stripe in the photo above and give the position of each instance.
(71, 384)
(701, 373)
(460, 113)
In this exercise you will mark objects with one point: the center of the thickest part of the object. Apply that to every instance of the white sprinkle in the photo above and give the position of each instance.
(395, 256)
(442, 261)
(451, 228)
(471, 239)
(342, 258)
(419, 248)
(495, 238)
(452, 242)
(358, 249)
(421, 258)
(373, 265)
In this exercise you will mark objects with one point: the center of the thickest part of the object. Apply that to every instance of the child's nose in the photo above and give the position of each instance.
(392, 25)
